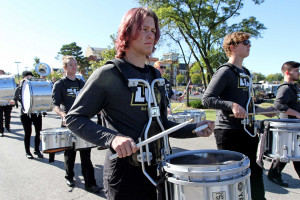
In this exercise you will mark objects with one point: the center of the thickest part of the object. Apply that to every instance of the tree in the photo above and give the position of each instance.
(258, 77)
(179, 78)
(196, 79)
(202, 25)
(73, 49)
(274, 77)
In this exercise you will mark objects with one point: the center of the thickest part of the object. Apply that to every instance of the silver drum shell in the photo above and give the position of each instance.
(56, 140)
(81, 144)
(220, 174)
(7, 89)
(284, 136)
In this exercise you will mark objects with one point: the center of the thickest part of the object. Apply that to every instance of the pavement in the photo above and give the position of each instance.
(25, 179)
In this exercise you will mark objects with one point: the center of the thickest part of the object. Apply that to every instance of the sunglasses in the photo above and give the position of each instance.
(246, 42)
(162, 67)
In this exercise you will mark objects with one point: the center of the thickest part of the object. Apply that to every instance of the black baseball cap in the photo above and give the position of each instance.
(27, 73)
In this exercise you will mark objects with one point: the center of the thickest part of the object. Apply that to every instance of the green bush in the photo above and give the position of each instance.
(197, 104)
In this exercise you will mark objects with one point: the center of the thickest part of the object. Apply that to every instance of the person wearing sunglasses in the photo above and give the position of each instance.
(228, 92)
(170, 94)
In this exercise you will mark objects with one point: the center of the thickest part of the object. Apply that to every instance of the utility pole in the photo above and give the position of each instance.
(18, 70)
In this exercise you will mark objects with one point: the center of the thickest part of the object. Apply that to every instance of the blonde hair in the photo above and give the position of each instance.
(66, 59)
(234, 39)
(157, 64)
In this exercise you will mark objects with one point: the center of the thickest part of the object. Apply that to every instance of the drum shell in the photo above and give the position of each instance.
(7, 89)
(208, 181)
(81, 144)
(37, 96)
(284, 133)
(181, 117)
(56, 140)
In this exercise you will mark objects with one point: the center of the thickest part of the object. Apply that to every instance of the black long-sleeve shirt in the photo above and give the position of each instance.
(124, 109)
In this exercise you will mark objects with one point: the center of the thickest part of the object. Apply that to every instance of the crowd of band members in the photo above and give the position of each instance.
(227, 93)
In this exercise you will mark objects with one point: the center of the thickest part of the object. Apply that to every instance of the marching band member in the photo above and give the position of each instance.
(28, 120)
(228, 92)
(287, 100)
(6, 109)
(125, 109)
(64, 93)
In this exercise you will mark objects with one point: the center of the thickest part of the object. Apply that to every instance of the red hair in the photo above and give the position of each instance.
(134, 16)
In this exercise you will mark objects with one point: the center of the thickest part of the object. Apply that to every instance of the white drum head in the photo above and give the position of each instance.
(26, 96)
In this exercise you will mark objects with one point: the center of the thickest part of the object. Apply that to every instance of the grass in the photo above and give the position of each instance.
(211, 113)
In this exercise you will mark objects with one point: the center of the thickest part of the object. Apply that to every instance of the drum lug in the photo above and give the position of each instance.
(284, 157)
(141, 157)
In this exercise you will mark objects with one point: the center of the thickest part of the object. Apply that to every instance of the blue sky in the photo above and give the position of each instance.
(36, 28)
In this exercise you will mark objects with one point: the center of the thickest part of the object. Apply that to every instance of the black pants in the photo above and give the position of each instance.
(27, 121)
(277, 167)
(240, 141)
(7, 111)
(87, 167)
(123, 181)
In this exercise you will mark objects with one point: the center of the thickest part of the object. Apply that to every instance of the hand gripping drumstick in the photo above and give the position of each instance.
(156, 137)
(261, 113)
(200, 128)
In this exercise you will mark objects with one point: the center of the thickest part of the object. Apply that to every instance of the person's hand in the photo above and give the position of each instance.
(269, 109)
(169, 111)
(238, 111)
(208, 131)
(124, 146)
(12, 102)
(180, 98)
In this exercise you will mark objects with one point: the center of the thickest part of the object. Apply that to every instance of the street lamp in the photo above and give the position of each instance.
(18, 70)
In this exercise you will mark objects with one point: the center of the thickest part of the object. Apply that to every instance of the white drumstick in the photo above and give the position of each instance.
(200, 128)
(156, 137)
(177, 107)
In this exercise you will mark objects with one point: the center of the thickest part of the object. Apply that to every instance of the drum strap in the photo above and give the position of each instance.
(262, 144)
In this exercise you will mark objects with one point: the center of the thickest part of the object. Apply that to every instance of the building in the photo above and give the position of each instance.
(93, 53)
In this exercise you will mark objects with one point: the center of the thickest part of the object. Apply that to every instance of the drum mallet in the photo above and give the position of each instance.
(158, 136)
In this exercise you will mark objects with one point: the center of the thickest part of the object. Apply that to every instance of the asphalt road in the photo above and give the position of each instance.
(24, 179)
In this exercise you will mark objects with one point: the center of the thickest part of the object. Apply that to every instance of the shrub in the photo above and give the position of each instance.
(197, 104)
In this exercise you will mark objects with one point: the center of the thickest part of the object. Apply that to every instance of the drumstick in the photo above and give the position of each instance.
(177, 107)
(156, 137)
(261, 113)
(200, 128)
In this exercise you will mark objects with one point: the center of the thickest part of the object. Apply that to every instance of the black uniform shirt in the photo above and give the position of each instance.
(288, 96)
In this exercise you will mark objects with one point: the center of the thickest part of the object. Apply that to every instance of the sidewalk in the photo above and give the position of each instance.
(24, 179)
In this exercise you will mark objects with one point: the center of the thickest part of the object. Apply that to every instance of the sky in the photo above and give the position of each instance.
(39, 28)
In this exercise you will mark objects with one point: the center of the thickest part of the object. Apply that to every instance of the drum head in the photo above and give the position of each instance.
(26, 96)
(204, 158)
(55, 130)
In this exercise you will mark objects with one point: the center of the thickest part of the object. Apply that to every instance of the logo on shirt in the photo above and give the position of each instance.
(73, 91)
(141, 96)
(243, 82)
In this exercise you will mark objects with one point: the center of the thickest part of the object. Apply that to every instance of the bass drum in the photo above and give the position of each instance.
(7, 89)
(208, 175)
(36, 95)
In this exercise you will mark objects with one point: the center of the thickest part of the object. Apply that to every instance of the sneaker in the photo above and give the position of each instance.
(38, 153)
(1, 134)
(93, 188)
(70, 183)
(29, 155)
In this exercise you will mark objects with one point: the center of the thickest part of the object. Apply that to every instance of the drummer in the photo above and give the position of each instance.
(287, 100)
(170, 94)
(125, 109)
(6, 110)
(28, 120)
(64, 93)
(228, 92)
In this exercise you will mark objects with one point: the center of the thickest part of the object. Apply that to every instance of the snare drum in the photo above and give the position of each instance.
(36, 96)
(283, 141)
(197, 115)
(56, 139)
(81, 144)
(208, 175)
(179, 117)
(7, 89)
